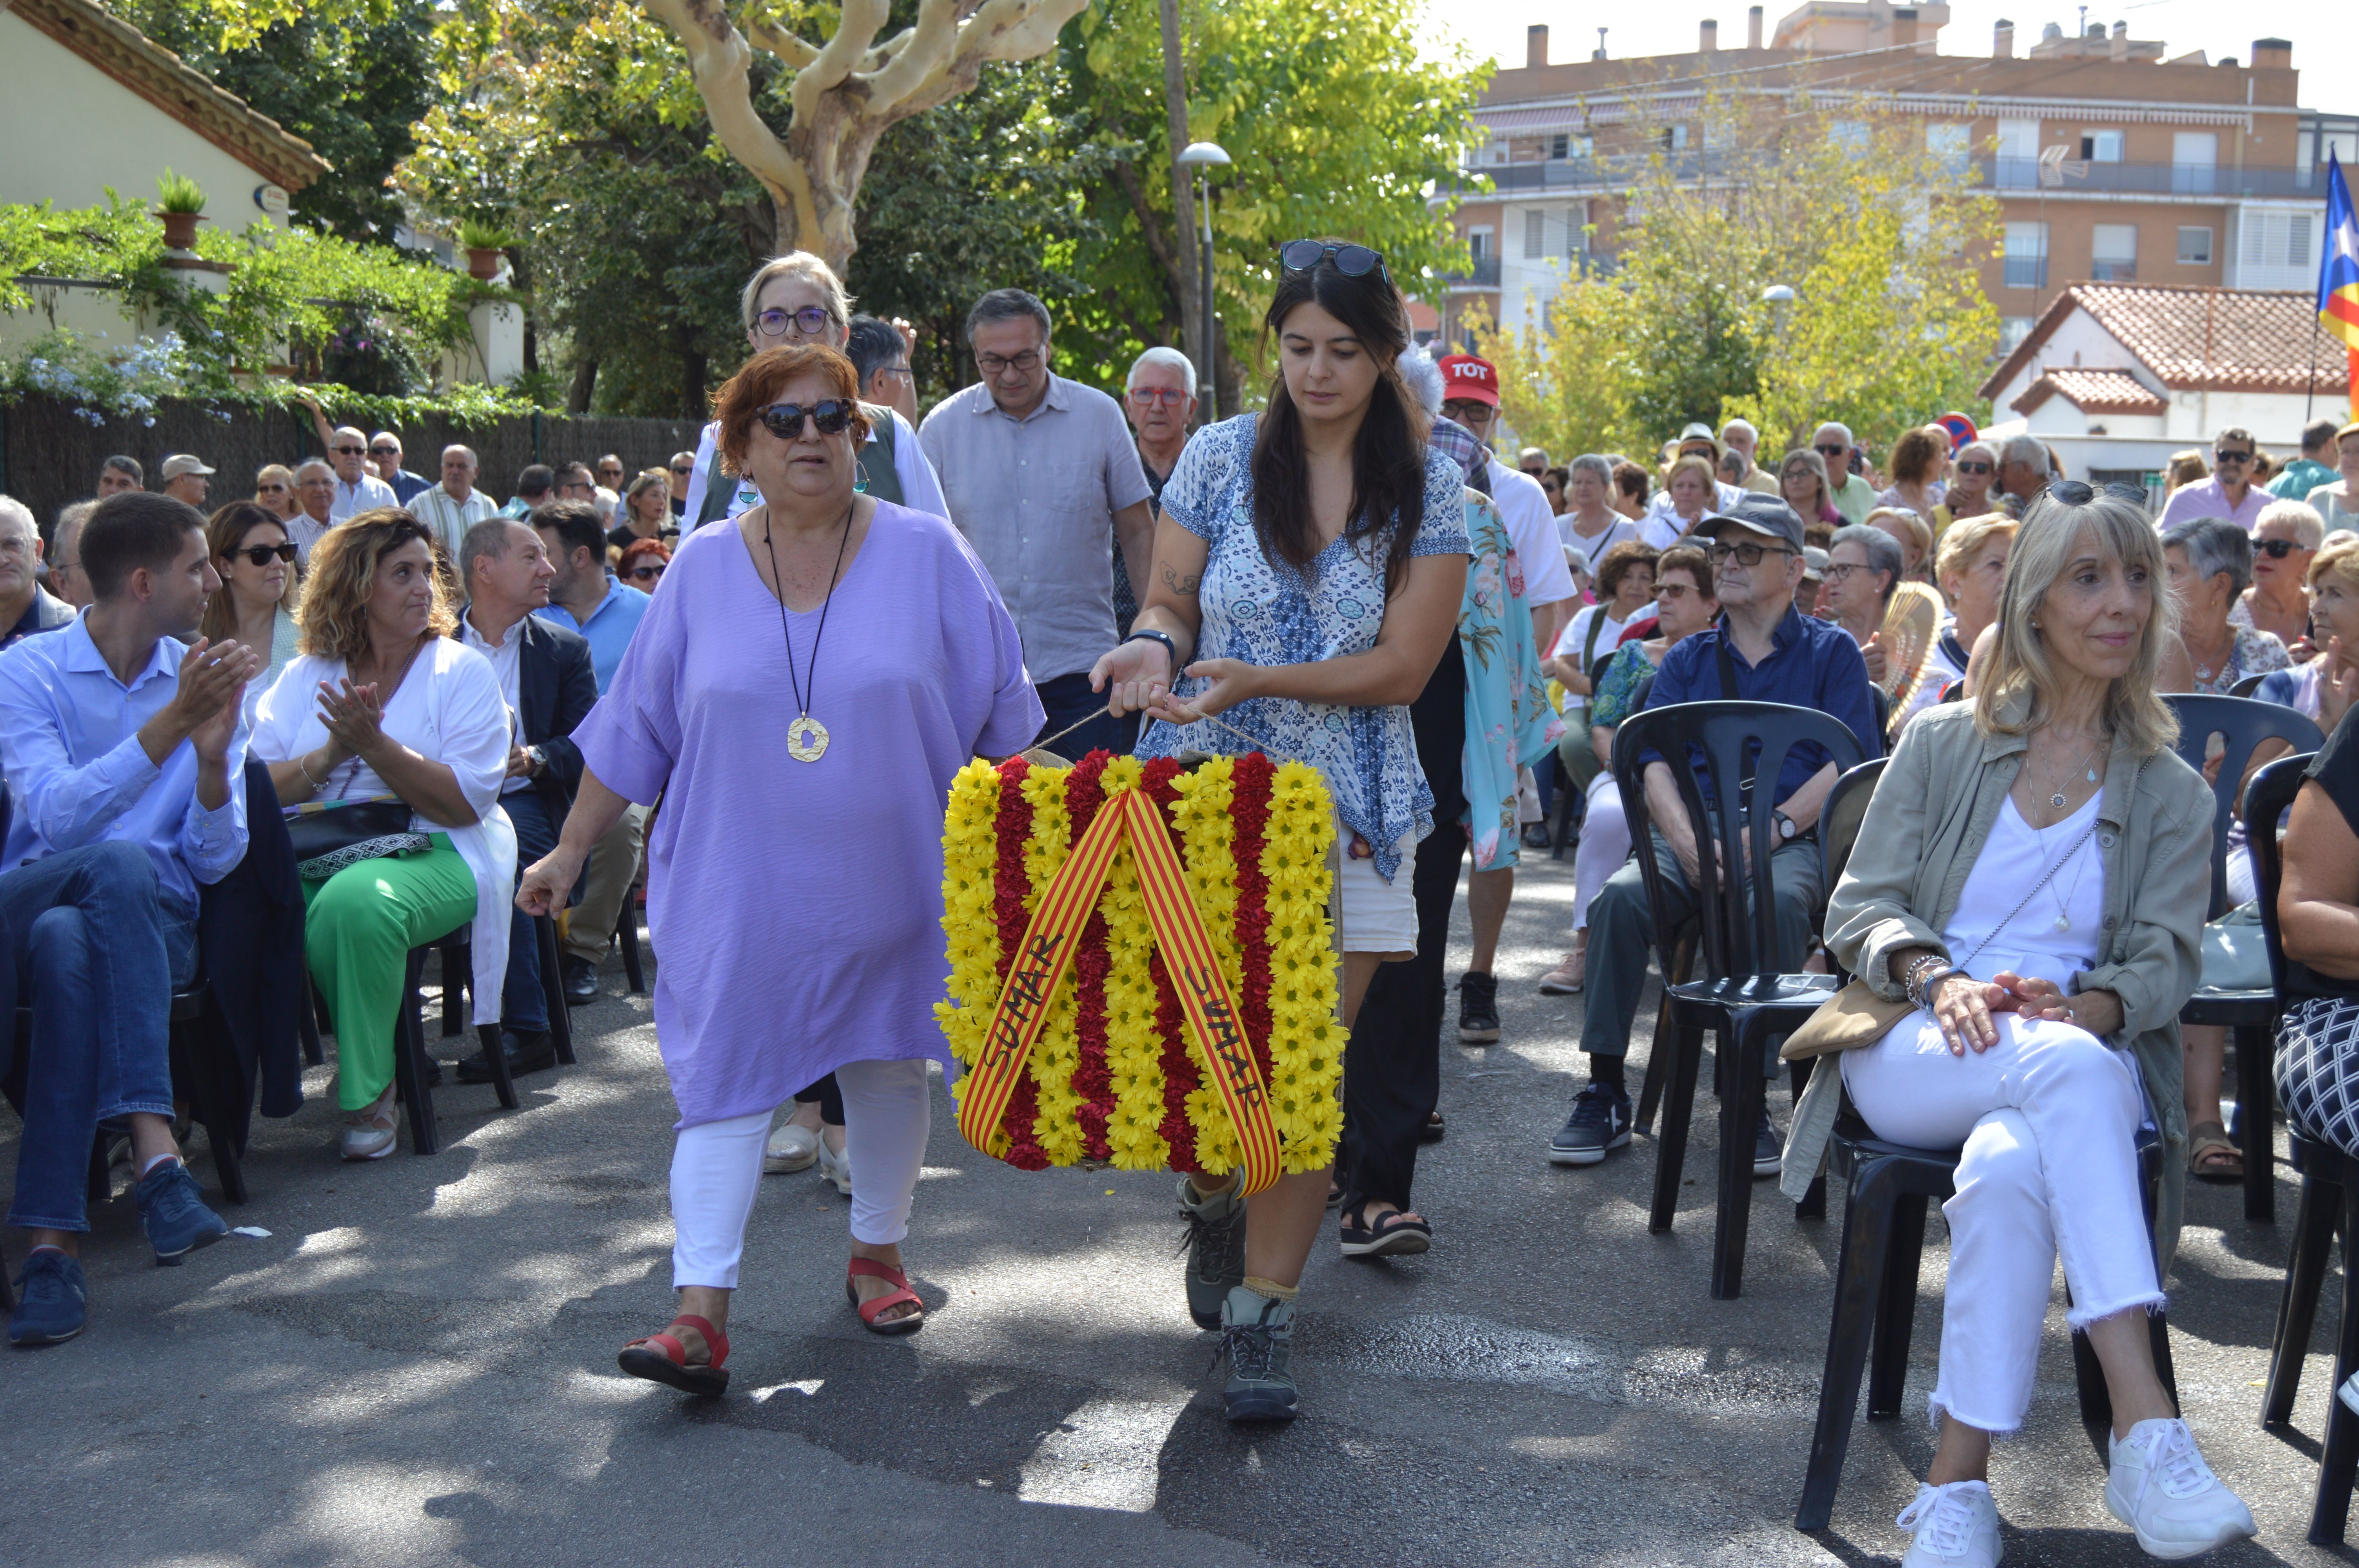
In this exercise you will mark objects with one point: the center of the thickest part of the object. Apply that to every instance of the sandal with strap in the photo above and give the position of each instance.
(663, 1358)
(1392, 1235)
(898, 1295)
(2212, 1156)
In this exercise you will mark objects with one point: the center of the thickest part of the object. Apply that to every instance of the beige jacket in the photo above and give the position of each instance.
(1925, 827)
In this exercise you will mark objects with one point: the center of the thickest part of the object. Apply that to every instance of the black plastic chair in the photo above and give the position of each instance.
(2243, 724)
(1746, 1001)
(1875, 1296)
(2328, 1204)
(458, 969)
(627, 933)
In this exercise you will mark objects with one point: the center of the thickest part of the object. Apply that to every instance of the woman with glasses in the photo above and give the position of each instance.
(261, 589)
(2210, 561)
(645, 511)
(1310, 566)
(763, 717)
(1863, 566)
(2285, 541)
(793, 299)
(1802, 481)
(643, 563)
(1974, 474)
(273, 491)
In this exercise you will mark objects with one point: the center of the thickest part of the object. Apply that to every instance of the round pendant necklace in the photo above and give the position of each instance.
(806, 737)
(2089, 763)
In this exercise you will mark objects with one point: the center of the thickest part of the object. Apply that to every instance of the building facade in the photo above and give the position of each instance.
(2112, 163)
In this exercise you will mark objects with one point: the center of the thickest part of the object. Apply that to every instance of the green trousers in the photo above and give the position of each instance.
(358, 928)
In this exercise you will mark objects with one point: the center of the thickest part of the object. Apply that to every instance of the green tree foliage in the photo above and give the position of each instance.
(1879, 238)
(350, 79)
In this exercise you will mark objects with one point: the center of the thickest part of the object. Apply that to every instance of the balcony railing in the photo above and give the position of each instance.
(2113, 272)
(2027, 272)
(1619, 172)
(1484, 274)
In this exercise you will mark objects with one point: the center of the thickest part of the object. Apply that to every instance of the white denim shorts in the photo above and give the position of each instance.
(1379, 916)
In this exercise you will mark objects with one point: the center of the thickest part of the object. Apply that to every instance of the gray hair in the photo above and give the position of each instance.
(1593, 463)
(14, 511)
(1009, 305)
(127, 467)
(1837, 424)
(487, 540)
(2028, 451)
(454, 447)
(1744, 425)
(2308, 527)
(2214, 544)
(388, 435)
(308, 464)
(1883, 552)
(361, 435)
(811, 270)
(1421, 376)
(1170, 359)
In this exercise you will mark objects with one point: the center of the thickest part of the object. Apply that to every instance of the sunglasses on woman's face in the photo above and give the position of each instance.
(1351, 261)
(262, 555)
(2276, 550)
(829, 416)
(645, 574)
(1975, 467)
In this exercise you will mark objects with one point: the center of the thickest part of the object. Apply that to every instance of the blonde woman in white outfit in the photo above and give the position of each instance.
(2033, 871)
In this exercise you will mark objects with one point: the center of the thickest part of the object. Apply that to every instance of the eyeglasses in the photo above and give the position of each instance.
(682, 471)
(1832, 451)
(811, 322)
(350, 451)
(1157, 396)
(1840, 572)
(1351, 261)
(385, 451)
(895, 370)
(645, 574)
(1975, 468)
(272, 488)
(2276, 550)
(1748, 555)
(260, 555)
(1024, 363)
(829, 416)
(2219, 457)
(1673, 590)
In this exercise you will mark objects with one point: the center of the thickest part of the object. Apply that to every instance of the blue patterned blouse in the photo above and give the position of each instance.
(1269, 613)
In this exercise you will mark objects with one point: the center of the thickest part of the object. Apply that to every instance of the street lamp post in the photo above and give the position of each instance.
(1203, 157)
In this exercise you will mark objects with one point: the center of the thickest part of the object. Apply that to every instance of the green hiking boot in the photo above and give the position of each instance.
(1216, 1245)
(1257, 1337)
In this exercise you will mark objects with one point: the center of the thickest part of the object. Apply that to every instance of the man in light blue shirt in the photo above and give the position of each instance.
(584, 597)
(124, 753)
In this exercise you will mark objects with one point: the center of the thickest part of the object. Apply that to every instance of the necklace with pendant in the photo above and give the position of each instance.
(2089, 763)
(807, 738)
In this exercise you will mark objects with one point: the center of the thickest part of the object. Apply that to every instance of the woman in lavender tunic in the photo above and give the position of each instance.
(799, 696)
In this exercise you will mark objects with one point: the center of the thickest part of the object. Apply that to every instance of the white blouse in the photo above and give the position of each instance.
(447, 709)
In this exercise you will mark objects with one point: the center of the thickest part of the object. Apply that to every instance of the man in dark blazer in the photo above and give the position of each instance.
(550, 685)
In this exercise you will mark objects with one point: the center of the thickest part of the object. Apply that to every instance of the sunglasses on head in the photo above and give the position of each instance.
(829, 416)
(2074, 493)
(2276, 550)
(1351, 261)
(646, 573)
(261, 554)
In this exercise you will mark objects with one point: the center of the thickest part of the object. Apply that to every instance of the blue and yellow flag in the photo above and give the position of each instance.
(2338, 267)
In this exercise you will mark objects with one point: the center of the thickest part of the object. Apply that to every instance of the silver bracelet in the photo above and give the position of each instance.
(304, 767)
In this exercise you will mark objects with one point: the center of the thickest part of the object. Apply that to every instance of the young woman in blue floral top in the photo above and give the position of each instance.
(1309, 567)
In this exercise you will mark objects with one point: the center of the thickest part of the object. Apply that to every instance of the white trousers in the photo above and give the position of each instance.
(716, 1168)
(1604, 845)
(2048, 1118)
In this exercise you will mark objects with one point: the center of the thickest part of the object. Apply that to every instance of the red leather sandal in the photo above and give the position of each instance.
(900, 1294)
(663, 1358)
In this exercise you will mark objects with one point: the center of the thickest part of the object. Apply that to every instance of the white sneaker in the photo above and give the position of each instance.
(836, 1165)
(2161, 1489)
(1956, 1525)
(792, 1147)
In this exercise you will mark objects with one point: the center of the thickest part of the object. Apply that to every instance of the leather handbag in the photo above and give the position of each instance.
(329, 835)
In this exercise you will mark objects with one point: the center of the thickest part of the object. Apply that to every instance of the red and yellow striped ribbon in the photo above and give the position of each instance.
(1047, 953)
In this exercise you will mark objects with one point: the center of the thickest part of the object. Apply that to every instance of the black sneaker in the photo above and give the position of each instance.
(1216, 1245)
(1536, 835)
(1599, 1122)
(1769, 1155)
(526, 1053)
(1478, 1008)
(578, 976)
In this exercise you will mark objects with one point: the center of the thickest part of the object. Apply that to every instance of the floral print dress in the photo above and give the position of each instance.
(1509, 724)
(1269, 613)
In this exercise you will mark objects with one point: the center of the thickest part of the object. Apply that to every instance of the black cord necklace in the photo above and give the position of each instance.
(806, 737)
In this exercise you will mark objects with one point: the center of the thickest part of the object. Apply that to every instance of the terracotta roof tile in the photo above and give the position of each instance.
(2198, 339)
(2093, 391)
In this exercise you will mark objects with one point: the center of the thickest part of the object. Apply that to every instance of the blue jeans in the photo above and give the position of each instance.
(1068, 699)
(97, 956)
(524, 1006)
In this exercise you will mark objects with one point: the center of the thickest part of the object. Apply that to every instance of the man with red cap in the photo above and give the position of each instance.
(1469, 397)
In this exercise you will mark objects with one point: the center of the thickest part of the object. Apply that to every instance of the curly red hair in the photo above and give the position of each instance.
(757, 383)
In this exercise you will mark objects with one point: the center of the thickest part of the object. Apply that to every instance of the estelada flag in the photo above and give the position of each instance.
(2338, 267)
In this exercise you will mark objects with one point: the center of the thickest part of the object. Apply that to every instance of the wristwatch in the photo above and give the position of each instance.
(1785, 828)
(538, 759)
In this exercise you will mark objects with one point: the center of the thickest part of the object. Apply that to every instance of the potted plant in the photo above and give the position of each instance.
(483, 241)
(180, 203)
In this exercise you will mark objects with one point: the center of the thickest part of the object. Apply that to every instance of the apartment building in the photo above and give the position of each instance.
(2113, 161)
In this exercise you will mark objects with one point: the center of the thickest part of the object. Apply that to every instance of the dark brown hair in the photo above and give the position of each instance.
(223, 531)
(756, 385)
(1617, 563)
(343, 574)
(1689, 559)
(1387, 504)
(1913, 457)
(131, 529)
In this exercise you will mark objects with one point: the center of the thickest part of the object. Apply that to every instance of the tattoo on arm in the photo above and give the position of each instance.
(1179, 584)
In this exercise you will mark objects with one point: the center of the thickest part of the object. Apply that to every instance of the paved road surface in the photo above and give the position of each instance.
(416, 1366)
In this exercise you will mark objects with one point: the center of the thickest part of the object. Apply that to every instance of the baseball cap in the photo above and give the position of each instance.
(1465, 378)
(1757, 514)
(180, 464)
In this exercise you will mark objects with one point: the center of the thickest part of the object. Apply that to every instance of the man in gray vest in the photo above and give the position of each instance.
(798, 299)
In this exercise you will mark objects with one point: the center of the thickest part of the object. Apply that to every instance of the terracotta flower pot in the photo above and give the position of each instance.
(181, 229)
(483, 265)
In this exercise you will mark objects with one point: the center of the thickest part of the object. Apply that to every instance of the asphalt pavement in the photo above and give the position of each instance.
(416, 1365)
